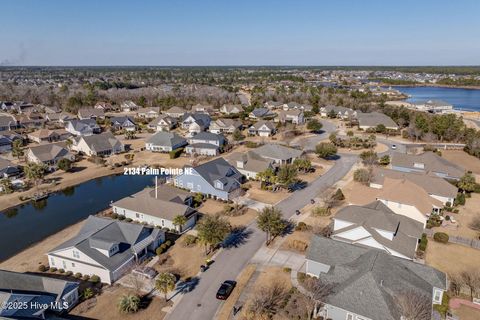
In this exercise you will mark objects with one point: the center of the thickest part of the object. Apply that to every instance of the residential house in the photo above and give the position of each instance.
(103, 144)
(206, 144)
(195, 122)
(273, 105)
(278, 153)
(175, 112)
(407, 198)
(158, 207)
(231, 109)
(428, 162)
(249, 163)
(107, 248)
(262, 128)
(25, 107)
(31, 120)
(216, 178)
(7, 122)
(375, 225)
(433, 106)
(128, 106)
(294, 116)
(84, 127)
(59, 118)
(52, 109)
(49, 154)
(105, 106)
(163, 123)
(225, 126)
(123, 123)
(35, 296)
(148, 113)
(338, 112)
(368, 282)
(165, 142)
(435, 186)
(46, 135)
(261, 113)
(8, 169)
(6, 106)
(373, 119)
(6, 140)
(200, 108)
(90, 113)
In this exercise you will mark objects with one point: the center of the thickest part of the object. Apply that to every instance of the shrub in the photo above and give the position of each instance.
(251, 144)
(128, 220)
(95, 279)
(52, 269)
(159, 250)
(338, 195)
(61, 270)
(320, 211)
(287, 269)
(121, 217)
(460, 199)
(88, 293)
(114, 216)
(175, 153)
(86, 277)
(422, 246)
(189, 240)
(168, 243)
(68, 273)
(298, 245)
(302, 226)
(325, 150)
(78, 275)
(42, 268)
(362, 175)
(441, 237)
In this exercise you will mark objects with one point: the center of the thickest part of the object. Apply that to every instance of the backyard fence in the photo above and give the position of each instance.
(472, 243)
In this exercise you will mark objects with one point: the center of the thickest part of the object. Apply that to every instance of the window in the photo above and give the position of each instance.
(349, 316)
(64, 264)
(52, 261)
(137, 215)
(76, 254)
(73, 264)
(437, 296)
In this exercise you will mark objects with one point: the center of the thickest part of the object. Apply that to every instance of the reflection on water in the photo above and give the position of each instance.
(29, 223)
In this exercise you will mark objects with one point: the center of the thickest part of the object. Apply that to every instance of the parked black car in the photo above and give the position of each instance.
(225, 289)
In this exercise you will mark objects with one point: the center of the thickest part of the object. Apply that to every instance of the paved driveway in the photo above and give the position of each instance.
(200, 302)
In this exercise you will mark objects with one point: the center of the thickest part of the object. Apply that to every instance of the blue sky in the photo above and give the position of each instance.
(243, 32)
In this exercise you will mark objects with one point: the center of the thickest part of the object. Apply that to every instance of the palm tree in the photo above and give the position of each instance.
(165, 283)
(212, 230)
(34, 172)
(179, 221)
(287, 174)
(267, 176)
(17, 148)
(129, 303)
(270, 220)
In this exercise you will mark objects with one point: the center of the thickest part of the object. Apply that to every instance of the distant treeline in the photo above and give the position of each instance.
(395, 82)
(460, 82)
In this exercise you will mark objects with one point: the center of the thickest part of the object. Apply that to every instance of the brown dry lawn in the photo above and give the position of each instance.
(30, 258)
(463, 159)
(242, 280)
(467, 313)
(181, 260)
(212, 207)
(106, 307)
(269, 197)
(451, 258)
(463, 218)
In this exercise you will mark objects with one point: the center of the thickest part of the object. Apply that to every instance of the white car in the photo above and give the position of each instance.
(394, 146)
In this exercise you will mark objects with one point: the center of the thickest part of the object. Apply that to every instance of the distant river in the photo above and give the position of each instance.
(27, 224)
(462, 99)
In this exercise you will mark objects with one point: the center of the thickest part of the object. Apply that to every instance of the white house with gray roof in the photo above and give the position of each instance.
(216, 178)
(249, 163)
(368, 282)
(206, 144)
(49, 154)
(158, 207)
(35, 295)
(104, 144)
(278, 153)
(105, 247)
(165, 142)
(85, 127)
(375, 225)
(373, 119)
(262, 128)
(163, 123)
(427, 162)
(225, 126)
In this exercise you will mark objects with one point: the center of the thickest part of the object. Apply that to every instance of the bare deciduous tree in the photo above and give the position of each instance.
(318, 292)
(414, 305)
(266, 301)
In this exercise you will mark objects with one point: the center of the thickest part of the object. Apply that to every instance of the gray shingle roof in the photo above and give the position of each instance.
(373, 119)
(101, 142)
(47, 152)
(166, 139)
(432, 184)
(251, 161)
(376, 216)
(432, 163)
(277, 151)
(108, 230)
(217, 169)
(367, 281)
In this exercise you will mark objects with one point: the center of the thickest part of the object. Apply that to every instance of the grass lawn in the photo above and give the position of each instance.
(181, 260)
(265, 196)
(467, 313)
(106, 307)
(451, 258)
